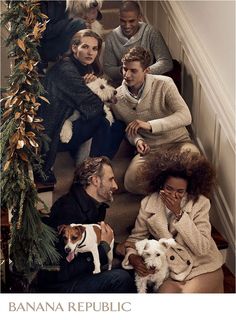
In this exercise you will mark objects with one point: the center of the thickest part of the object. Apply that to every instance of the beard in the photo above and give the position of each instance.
(105, 194)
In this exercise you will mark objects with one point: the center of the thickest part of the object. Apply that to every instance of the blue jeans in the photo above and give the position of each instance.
(106, 138)
(113, 281)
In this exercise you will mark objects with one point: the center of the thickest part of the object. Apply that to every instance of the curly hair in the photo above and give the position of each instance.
(190, 166)
(89, 168)
(138, 54)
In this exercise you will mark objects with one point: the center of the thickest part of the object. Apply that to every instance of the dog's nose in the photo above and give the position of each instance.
(115, 92)
(67, 250)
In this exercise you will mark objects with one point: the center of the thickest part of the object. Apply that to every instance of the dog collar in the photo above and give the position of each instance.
(81, 245)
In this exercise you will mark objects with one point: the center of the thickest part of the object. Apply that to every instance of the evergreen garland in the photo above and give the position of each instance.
(32, 242)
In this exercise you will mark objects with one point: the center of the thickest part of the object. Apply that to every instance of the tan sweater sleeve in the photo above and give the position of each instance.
(180, 115)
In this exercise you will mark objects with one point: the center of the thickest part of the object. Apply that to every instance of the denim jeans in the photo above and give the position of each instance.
(113, 281)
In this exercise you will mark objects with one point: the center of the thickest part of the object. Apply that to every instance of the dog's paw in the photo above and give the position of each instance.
(96, 271)
(66, 132)
(109, 115)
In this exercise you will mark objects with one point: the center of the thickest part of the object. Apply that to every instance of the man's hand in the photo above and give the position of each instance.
(142, 147)
(139, 265)
(89, 77)
(107, 233)
(134, 126)
(121, 247)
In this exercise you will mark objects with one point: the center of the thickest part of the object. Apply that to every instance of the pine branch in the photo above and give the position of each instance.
(32, 242)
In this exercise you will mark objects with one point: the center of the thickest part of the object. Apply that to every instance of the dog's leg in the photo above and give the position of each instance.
(110, 255)
(109, 114)
(141, 284)
(96, 260)
(66, 131)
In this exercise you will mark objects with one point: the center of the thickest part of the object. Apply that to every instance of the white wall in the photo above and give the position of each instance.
(214, 25)
(200, 35)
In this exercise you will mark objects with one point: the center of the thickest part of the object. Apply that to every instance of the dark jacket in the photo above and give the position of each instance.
(75, 207)
(59, 31)
(66, 92)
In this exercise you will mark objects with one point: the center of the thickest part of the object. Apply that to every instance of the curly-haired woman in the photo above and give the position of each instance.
(178, 207)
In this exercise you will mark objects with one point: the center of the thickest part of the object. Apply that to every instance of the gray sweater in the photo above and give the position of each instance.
(117, 44)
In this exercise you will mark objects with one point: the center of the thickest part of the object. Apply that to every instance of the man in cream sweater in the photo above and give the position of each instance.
(132, 32)
(154, 112)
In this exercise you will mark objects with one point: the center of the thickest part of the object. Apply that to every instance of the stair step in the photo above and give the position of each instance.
(110, 18)
(219, 240)
(113, 4)
(44, 188)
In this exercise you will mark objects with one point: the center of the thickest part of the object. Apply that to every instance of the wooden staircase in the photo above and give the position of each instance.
(123, 211)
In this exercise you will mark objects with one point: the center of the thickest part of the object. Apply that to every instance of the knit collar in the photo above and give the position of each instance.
(136, 37)
(137, 96)
(83, 70)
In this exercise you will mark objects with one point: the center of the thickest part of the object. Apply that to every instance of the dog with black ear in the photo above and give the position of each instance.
(84, 238)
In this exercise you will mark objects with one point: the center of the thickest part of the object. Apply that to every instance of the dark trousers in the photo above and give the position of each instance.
(110, 137)
(106, 138)
(113, 281)
(51, 49)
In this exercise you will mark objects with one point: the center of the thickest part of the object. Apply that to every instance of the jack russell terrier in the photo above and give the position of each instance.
(84, 238)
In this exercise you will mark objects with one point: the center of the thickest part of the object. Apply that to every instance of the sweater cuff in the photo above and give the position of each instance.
(155, 125)
(105, 246)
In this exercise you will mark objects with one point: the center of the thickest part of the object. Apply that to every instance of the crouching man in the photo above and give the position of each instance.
(86, 203)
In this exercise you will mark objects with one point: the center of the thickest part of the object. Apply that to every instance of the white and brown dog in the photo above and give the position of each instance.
(84, 238)
(89, 11)
(153, 253)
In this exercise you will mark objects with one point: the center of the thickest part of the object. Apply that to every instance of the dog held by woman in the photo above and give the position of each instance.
(154, 256)
(105, 92)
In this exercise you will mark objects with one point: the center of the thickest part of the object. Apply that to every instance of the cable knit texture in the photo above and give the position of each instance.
(195, 253)
(117, 44)
(161, 105)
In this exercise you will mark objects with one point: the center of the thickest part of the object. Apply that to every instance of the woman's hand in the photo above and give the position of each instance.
(89, 77)
(142, 147)
(172, 202)
(134, 126)
(139, 266)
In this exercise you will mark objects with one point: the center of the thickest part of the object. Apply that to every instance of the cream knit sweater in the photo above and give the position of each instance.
(161, 105)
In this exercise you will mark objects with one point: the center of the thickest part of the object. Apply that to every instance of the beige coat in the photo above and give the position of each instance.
(196, 252)
(161, 105)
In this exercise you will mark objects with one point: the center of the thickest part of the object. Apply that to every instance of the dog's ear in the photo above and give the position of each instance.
(167, 243)
(61, 228)
(80, 228)
(140, 245)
